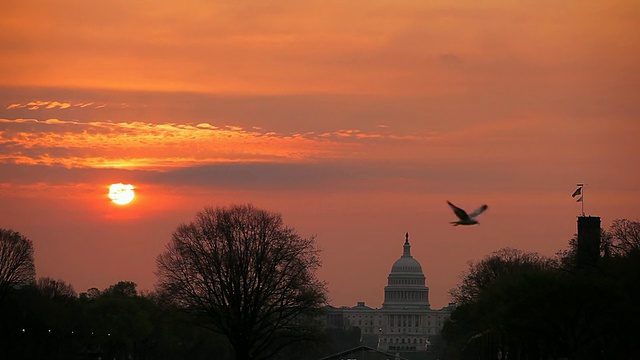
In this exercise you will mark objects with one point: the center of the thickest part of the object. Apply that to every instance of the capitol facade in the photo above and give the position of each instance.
(406, 322)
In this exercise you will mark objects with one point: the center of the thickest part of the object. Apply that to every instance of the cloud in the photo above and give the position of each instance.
(37, 105)
(138, 144)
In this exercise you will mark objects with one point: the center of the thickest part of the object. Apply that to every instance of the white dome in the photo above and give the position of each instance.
(406, 264)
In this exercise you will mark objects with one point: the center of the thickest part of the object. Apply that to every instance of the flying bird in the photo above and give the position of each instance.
(466, 219)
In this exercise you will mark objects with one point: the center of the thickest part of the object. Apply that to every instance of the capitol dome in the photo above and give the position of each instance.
(406, 284)
(406, 263)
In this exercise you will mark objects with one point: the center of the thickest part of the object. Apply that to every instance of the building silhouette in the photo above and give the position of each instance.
(588, 250)
(405, 323)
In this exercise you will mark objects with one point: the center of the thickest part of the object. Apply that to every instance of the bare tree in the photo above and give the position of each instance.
(625, 236)
(16, 260)
(55, 289)
(247, 276)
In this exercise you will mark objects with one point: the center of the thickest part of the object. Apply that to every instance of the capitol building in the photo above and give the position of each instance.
(406, 322)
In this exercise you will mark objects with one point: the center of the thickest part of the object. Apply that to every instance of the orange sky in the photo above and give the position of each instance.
(355, 120)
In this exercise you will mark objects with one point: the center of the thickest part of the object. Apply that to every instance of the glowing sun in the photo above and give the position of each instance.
(121, 194)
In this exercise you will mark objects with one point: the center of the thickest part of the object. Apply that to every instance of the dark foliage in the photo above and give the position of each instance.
(49, 321)
(530, 307)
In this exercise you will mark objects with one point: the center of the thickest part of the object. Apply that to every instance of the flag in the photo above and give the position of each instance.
(579, 199)
(577, 192)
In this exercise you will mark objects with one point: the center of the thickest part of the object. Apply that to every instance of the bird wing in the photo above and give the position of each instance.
(478, 211)
(459, 212)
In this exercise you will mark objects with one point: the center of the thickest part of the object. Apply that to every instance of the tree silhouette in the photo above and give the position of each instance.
(490, 302)
(625, 235)
(247, 276)
(16, 260)
(498, 266)
(122, 289)
(55, 289)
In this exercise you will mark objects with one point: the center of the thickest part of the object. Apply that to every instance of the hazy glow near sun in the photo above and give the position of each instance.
(121, 194)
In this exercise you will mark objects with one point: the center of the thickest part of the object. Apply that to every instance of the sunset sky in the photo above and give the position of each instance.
(355, 120)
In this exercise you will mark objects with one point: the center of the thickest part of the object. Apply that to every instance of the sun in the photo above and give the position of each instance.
(121, 194)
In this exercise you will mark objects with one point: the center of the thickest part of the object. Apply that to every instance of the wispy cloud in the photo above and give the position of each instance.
(101, 144)
(37, 105)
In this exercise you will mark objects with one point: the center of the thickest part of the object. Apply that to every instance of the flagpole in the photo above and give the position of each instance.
(583, 200)
(580, 191)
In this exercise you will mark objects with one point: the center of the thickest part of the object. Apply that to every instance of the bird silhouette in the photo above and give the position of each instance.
(466, 219)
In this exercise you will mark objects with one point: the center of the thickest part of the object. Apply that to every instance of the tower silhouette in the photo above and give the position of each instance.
(588, 241)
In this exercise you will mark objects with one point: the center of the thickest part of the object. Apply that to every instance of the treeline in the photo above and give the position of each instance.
(48, 320)
(518, 305)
